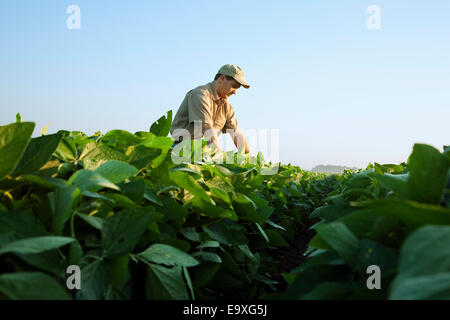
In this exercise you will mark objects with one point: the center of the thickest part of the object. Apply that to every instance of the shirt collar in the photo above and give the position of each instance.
(214, 93)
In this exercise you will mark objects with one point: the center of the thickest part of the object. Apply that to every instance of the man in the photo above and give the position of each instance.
(206, 112)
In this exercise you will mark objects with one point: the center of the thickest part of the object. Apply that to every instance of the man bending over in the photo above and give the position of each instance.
(206, 112)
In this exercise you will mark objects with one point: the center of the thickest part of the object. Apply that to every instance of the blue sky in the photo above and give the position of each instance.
(338, 92)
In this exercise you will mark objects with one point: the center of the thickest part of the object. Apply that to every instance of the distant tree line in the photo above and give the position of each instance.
(331, 168)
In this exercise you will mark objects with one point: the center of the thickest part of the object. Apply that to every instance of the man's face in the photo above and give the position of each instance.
(227, 87)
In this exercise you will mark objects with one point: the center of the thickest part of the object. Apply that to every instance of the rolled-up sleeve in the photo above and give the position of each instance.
(199, 108)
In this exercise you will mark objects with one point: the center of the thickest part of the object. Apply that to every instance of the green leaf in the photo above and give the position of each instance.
(395, 182)
(94, 221)
(431, 287)
(121, 200)
(187, 277)
(262, 232)
(331, 212)
(95, 154)
(212, 211)
(205, 256)
(122, 231)
(18, 118)
(424, 265)
(186, 181)
(38, 152)
(425, 252)
(45, 182)
(49, 261)
(87, 180)
(220, 183)
(20, 225)
(341, 239)
(366, 224)
(162, 126)
(151, 196)
(165, 283)
(204, 273)
(134, 190)
(141, 156)
(208, 244)
(276, 239)
(219, 233)
(31, 286)
(35, 245)
(311, 278)
(67, 150)
(220, 194)
(116, 171)
(62, 201)
(118, 269)
(329, 291)
(14, 139)
(428, 174)
(168, 255)
(94, 281)
(120, 139)
(75, 253)
(373, 253)
(230, 265)
(245, 208)
(413, 213)
(162, 143)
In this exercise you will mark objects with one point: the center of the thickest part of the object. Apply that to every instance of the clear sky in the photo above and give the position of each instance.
(338, 92)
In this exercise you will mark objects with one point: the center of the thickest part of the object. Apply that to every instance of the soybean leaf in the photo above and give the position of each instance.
(62, 201)
(31, 286)
(168, 255)
(95, 154)
(186, 181)
(14, 139)
(87, 180)
(341, 239)
(204, 273)
(116, 171)
(122, 231)
(38, 152)
(120, 139)
(424, 266)
(94, 281)
(94, 221)
(21, 225)
(205, 256)
(428, 174)
(413, 213)
(165, 283)
(35, 245)
(162, 126)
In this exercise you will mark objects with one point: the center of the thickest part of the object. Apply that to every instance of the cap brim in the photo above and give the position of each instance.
(242, 82)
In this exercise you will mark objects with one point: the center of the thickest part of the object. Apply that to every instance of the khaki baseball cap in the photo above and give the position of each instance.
(235, 72)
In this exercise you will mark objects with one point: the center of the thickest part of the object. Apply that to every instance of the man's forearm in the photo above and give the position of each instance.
(239, 141)
(214, 139)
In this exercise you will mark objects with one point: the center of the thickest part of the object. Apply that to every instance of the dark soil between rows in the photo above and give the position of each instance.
(291, 257)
